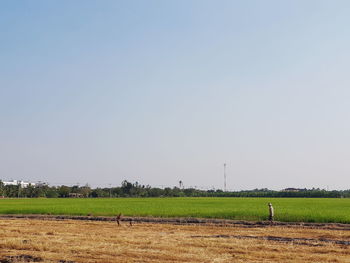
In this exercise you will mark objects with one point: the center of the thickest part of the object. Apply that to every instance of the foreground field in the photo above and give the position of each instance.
(69, 241)
(286, 209)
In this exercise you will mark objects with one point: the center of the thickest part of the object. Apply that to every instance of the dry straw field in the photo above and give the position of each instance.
(68, 241)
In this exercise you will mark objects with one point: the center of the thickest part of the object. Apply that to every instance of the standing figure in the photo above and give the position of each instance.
(271, 212)
(118, 218)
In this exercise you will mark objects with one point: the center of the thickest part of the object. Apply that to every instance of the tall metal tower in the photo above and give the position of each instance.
(224, 177)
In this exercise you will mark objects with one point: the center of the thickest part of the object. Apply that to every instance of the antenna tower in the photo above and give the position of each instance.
(224, 177)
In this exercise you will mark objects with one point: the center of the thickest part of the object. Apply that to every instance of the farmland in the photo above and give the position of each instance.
(73, 241)
(252, 209)
(55, 239)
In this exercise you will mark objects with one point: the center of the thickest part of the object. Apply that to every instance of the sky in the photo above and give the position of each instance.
(97, 92)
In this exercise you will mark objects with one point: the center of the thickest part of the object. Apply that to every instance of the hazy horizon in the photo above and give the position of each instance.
(99, 92)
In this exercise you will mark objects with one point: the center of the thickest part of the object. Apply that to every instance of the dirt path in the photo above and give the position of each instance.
(186, 221)
(61, 240)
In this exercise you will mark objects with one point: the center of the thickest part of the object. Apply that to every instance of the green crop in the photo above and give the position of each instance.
(286, 209)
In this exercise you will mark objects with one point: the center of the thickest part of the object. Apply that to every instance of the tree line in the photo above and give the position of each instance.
(128, 189)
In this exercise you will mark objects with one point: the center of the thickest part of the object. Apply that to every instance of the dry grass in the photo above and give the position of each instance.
(85, 241)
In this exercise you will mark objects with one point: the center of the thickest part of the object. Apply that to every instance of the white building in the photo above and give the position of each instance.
(18, 182)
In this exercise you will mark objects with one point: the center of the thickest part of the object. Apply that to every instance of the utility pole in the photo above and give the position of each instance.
(224, 177)
(19, 189)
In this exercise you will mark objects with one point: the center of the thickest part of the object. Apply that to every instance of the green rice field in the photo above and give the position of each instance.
(256, 209)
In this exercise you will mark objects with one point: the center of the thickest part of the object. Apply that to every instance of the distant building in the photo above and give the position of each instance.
(40, 184)
(75, 195)
(23, 184)
(293, 190)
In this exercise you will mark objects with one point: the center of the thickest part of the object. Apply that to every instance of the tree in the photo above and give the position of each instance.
(85, 190)
(126, 187)
(63, 191)
(2, 190)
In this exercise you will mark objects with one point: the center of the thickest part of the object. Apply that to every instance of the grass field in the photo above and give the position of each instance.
(286, 209)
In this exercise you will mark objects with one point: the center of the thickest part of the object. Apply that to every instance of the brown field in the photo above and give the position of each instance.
(37, 240)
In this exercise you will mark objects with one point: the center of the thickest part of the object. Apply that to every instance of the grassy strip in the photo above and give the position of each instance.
(286, 209)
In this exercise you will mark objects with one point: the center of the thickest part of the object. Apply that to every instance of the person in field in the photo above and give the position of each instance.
(118, 218)
(271, 212)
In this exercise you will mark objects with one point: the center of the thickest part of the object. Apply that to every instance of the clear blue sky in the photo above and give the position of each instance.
(160, 91)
